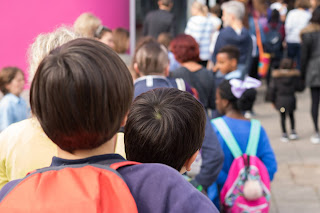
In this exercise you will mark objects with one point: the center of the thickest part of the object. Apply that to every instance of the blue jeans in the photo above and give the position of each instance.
(294, 53)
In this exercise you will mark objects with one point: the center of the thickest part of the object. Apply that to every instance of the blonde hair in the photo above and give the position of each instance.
(201, 8)
(87, 25)
(45, 43)
(120, 39)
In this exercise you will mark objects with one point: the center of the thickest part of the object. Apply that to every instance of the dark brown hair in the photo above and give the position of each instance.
(80, 94)
(305, 4)
(164, 125)
(120, 39)
(7, 74)
(232, 52)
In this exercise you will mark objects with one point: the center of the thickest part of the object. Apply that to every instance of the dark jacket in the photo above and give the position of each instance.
(310, 55)
(282, 89)
(202, 80)
(158, 21)
(243, 42)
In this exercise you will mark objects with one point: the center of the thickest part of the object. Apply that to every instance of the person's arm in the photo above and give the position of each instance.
(212, 158)
(173, 27)
(266, 155)
(305, 54)
(218, 45)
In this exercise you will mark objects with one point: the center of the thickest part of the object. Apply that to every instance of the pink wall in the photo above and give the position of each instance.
(22, 21)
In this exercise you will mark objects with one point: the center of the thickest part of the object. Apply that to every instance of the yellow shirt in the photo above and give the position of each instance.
(24, 147)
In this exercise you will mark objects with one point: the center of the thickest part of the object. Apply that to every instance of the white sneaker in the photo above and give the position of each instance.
(315, 139)
(293, 135)
(284, 138)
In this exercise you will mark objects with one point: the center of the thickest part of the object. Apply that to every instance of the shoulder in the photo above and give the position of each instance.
(159, 188)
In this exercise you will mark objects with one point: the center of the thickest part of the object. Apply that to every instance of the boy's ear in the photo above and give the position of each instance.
(189, 162)
(124, 121)
(234, 62)
(136, 68)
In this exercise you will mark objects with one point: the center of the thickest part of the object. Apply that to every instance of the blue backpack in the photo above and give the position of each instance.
(273, 42)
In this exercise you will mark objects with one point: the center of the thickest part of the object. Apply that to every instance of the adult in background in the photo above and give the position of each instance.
(310, 67)
(160, 20)
(186, 51)
(234, 33)
(90, 26)
(200, 27)
(121, 40)
(24, 146)
(296, 20)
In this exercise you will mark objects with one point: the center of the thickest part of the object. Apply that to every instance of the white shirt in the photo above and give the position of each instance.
(297, 19)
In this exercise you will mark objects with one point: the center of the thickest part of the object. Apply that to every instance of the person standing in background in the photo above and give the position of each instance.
(160, 20)
(296, 20)
(200, 27)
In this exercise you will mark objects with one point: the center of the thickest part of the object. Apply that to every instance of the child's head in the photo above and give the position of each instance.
(286, 63)
(236, 95)
(104, 34)
(227, 59)
(274, 17)
(121, 40)
(166, 126)
(81, 94)
(11, 80)
(165, 39)
(216, 10)
(151, 59)
(87, 25)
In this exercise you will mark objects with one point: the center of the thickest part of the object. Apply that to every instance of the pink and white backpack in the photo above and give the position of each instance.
(247, 188)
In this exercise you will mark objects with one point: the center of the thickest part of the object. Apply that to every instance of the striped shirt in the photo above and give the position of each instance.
(201, 29)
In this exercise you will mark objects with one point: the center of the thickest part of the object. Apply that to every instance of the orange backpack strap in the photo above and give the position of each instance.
(118, 165)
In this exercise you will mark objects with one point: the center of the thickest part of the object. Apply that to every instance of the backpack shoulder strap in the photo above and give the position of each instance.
(118, 165)
(227, 136)
(180, 84)
(253, 138)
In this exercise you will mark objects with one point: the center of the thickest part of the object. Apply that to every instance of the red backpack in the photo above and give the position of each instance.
(81, 188)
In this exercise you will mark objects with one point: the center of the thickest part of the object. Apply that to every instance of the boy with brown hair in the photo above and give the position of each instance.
(81, 94)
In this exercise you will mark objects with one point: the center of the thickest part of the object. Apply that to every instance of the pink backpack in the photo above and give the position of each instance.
(243, 168)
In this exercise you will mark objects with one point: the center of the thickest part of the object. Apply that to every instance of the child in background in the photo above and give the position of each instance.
(151, 62)
(165, 39)
(282, 95)
(227, 63)
(13, 108)
(232, 97)
(121, 39)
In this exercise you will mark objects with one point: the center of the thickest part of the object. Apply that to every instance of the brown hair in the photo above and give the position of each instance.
(80, 94)
(120, 39)
(7, 74)
(152, 58)
(164, 125)
(165, 39)
(305, 4)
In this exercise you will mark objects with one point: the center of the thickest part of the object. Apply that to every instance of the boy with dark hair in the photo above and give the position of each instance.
(151, 63)
(165, 125)
(86, 91)
(227, 63)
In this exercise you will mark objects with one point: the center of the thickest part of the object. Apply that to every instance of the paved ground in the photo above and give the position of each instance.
(296, 187)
